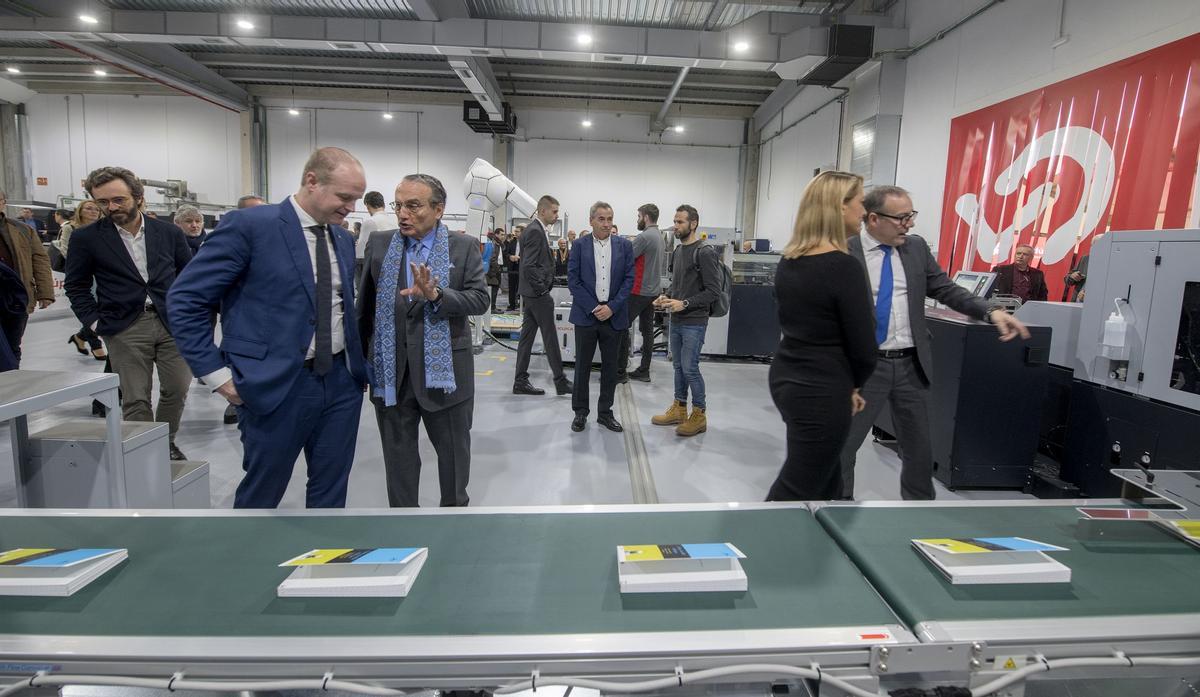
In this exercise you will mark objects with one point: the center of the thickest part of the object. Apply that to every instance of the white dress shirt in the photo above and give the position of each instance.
(135, 244)
(899, 333)
(222, 376)
(379, 221)
(602, 254)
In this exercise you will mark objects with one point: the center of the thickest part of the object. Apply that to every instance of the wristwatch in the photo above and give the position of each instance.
(437, 294)
(686, 304)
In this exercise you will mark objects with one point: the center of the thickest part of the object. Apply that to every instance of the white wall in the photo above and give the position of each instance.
(428, 139)
(623, 165)
(1005, 52)
(156, 137)
(185, 138)
(788, 158)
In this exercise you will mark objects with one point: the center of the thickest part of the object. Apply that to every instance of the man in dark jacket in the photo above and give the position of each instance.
(133, 260)
(536, 280)
(1019, 278)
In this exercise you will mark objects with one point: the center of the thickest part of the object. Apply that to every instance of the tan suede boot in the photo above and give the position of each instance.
(676, 414)
(696, 423)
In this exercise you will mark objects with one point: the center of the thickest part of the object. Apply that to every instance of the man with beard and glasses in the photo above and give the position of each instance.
(133, 261)
(290, 357)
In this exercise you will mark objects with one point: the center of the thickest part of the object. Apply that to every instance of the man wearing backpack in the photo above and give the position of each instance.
(695, 287)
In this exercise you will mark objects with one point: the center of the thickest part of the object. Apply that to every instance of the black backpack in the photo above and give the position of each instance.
(720, 306)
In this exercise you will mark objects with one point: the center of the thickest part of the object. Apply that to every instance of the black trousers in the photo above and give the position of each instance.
(816, 413)
(586, 340)
(538, 315)
(495, 292)
(14, 330)
(642, 308)
(449, 431)
(514, 284)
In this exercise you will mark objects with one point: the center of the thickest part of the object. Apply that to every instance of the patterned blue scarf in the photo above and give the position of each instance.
(439, 357)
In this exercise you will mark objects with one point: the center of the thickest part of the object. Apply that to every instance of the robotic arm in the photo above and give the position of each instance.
(487, 189)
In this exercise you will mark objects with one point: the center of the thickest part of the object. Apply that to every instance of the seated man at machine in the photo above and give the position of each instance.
(1019, 278)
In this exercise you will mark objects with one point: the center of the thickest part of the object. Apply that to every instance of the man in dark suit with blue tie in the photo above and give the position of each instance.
(132, 260)
(420, 284)
(290, 357)
(901, 272)
(600, 277)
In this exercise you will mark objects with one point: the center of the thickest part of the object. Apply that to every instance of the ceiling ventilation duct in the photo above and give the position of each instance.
(480, 121)
(850, 46)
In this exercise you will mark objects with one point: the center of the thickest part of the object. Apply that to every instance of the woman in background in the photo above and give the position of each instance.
(87, 339)
(561, 255)
(828, 347)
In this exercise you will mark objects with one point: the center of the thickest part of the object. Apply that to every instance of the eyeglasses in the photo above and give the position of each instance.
(120, 201)
(902, 219)
(412, 206)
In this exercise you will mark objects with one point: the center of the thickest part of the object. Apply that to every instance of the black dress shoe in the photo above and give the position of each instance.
(639, 375)
(176, 454)
(230, 414)
(623, 378)
(610, 422)
(579, 422)
(527, 388)
(563, 386)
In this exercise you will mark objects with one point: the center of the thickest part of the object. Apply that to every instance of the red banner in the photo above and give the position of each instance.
(1111, 149)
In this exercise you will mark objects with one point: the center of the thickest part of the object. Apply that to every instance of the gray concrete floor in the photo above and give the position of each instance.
(523, 451)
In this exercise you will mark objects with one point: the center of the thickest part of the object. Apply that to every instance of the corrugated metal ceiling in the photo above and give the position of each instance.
(371, 9)
(678, 14)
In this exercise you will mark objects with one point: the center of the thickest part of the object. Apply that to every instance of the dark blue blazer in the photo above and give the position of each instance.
(256, 268)
(581, 280)
(98, 254)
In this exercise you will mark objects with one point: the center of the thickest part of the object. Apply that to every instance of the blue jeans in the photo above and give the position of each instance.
(686, 341)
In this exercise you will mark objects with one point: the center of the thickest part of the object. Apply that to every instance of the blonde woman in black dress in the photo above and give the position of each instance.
(828, 347)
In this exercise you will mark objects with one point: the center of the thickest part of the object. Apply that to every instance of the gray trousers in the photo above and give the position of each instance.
(899, 383)
(134, 354)
(538, 315)
(449, 431)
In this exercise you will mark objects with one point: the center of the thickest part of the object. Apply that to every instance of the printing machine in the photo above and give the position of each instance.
(1133, 349)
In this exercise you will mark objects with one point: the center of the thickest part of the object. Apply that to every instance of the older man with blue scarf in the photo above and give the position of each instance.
(420, 283)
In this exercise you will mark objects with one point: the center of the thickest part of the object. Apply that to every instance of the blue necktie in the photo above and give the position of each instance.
(883, 301)
(416, 255)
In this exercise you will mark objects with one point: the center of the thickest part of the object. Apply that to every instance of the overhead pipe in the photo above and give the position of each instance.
(660, 118)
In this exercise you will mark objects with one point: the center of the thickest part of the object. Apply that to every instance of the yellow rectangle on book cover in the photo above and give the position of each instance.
(642, 553)
(316, 557)
(954, 546)
(15, 554)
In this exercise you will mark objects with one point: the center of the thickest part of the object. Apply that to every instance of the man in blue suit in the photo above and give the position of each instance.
(600, 277)
(290, 357)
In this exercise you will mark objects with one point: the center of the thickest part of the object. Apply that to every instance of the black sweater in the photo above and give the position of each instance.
(696, 278)
(825, 308)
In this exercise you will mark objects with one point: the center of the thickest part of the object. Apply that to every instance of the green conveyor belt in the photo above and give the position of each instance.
(1152, 573)
(495, 574)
